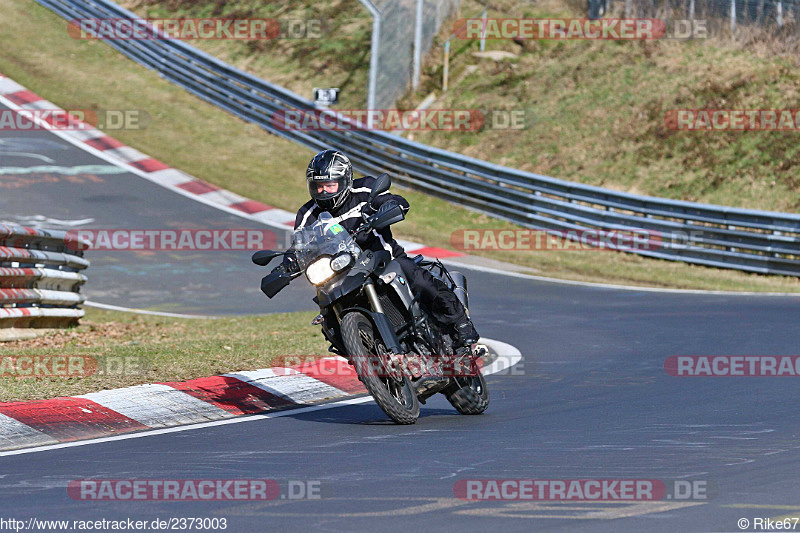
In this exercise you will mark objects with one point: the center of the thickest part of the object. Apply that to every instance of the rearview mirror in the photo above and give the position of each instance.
(263, 257)
(381, 185)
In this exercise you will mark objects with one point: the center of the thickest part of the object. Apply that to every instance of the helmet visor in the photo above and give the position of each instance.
(325, 189)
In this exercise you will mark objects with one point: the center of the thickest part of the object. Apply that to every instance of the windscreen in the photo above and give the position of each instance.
(323, 237)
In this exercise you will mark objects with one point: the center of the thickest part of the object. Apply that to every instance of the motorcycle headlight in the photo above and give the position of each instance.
(341, 261)
(320, 271)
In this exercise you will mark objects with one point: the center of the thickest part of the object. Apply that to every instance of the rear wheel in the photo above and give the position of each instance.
(393, 394)
(471, 397)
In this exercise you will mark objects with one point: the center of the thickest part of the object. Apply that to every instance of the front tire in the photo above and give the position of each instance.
(395, 396)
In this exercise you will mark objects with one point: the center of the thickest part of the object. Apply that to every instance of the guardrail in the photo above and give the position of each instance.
(39, 278)
(743, 239)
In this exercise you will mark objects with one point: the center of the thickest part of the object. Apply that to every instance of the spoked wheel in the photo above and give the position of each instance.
(469, 395)
(392, 391)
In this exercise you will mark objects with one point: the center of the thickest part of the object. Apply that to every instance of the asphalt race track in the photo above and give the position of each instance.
(198, 282)
(590, 400)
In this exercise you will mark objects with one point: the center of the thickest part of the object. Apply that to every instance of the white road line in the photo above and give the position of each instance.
(98, 305)
(589, 284)
(507, 356)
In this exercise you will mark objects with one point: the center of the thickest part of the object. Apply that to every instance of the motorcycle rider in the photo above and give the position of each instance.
(329, 177)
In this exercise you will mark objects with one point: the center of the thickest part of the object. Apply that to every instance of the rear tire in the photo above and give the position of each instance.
(396, 397)
(473, 396)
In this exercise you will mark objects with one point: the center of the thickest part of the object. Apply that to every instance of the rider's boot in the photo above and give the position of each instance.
(465, 360)
(465, 336)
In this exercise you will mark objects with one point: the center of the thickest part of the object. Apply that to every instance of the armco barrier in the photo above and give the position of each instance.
(39, 279)
(743, 239)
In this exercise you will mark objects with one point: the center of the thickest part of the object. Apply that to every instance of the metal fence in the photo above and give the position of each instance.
(748, 240)
(39, 279)
(729, 14)
(403, 31)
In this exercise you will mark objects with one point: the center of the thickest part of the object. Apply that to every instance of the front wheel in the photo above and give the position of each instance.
(392, 393)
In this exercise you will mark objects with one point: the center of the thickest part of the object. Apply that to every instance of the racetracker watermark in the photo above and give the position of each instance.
(464, 120)
(580, 489)
(559, 29)
(193, 489)
(46, 366)
(73, 119)
(68, 366)
(194, 29)
(570, 240)
(376, 365)
(732, 119)
(394, 365)
(732, 365)
(117, 240)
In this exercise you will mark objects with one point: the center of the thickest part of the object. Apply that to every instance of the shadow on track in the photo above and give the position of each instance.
(368, 414)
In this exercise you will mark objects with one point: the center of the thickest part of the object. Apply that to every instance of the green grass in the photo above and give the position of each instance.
(335, 52)
(134, 349)
(598, 112)
(201, 139)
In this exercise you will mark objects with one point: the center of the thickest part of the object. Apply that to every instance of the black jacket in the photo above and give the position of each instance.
(349, 216)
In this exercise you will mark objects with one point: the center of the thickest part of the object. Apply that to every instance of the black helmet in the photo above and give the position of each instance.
(330, 166)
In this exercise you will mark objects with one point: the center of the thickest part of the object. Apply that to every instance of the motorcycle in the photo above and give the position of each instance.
(371, 318)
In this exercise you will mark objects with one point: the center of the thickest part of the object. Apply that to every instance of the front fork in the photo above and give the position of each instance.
(372, 295)
(384, 328)
(398, 362)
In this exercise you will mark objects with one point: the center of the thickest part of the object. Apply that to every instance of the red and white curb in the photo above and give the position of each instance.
(90, 139)
(157, 406)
